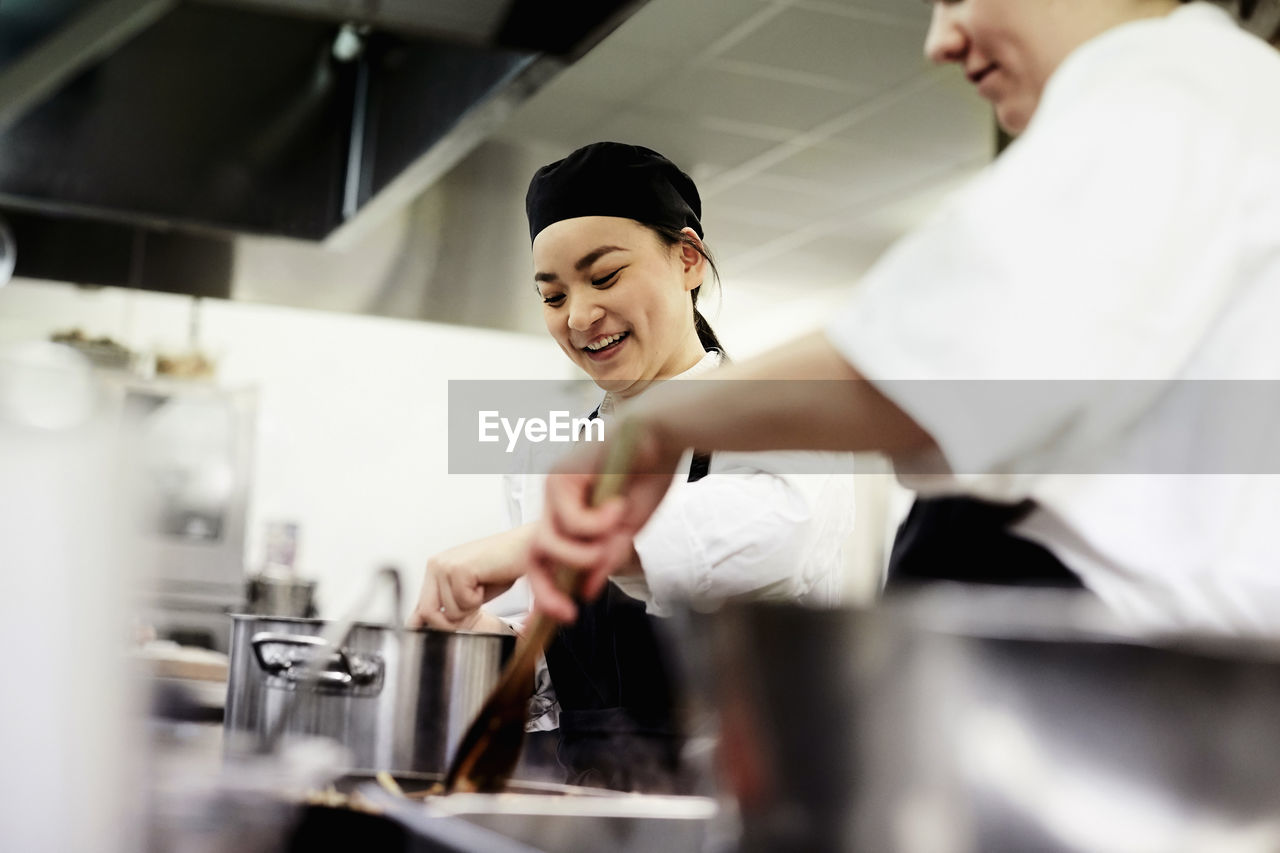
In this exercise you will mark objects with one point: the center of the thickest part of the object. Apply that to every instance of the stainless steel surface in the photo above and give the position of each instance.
(197, 802)
(954, 722)
(193, 620)
(187, 463)
(7, 255)
(312, 668)
(363, 675)
(428, 831)
(192, 460)
(270, 595)
(397, 703)
(622, 823)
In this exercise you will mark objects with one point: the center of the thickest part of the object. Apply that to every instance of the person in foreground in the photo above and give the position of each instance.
(618, 265)
(1125, 248)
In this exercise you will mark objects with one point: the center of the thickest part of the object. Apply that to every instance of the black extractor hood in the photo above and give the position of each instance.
(274, 117)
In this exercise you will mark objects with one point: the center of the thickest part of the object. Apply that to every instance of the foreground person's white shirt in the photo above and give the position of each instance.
(1132, 233)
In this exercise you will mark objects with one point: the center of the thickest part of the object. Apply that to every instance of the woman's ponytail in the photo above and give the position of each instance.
(706, 334)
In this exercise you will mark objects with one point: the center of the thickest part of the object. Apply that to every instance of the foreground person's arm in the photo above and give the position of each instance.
(803, 396)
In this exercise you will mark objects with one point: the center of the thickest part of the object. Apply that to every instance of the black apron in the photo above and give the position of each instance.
(968, 540)
(616, 693)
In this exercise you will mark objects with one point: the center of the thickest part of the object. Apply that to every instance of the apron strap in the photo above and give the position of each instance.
(698, 467)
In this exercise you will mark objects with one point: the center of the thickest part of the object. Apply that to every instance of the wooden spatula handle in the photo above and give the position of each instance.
(491, 745)
(613, 475)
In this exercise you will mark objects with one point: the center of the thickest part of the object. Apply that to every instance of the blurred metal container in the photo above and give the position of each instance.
(277, 590)
(8, 253)
(955, 722)
(269, 594)
(397, 699)
(580, 820)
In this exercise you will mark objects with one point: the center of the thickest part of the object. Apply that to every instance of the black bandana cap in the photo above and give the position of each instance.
(613, 179)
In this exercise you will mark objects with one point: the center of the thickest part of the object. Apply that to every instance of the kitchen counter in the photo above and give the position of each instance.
(230, 808)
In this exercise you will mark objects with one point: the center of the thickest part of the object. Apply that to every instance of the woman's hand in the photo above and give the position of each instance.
(484, 621)
(596, 541)
(461, 579)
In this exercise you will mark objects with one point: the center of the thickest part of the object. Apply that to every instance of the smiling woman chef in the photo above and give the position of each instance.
(1131, 233)
(618, 264)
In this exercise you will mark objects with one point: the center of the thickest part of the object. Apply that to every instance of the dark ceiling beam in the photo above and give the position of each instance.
(464, 21)
(86, 39)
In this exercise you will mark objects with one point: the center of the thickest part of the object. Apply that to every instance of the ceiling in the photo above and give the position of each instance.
(815, 129)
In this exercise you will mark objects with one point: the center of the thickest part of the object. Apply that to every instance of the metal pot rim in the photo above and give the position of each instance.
(303, 620)
(1019, 615)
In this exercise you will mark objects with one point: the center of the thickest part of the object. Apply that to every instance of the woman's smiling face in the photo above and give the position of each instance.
(1008, 49)
(617, 300)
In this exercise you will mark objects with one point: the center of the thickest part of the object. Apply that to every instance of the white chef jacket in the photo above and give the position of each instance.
(751, 528)
(754, 527)
(1132, 232)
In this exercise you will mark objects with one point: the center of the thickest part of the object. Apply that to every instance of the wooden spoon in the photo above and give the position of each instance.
(489, 750)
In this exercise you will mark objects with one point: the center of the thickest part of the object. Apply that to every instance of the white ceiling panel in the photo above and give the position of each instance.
(702, 149)
(786, 202)
(684, 28)
(853, 250)
(906, 11)
(784, 276)
(837, 46)
(753, 98)
(851, 172)
(912, 206)
(616, 73)
(946, 119)
(732, 232)
(815, 129)
(549, 118)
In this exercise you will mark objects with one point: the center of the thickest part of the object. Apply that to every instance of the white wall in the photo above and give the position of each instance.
(352, 427)
(352, 432)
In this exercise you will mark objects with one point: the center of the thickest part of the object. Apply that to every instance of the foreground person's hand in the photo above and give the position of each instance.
(595, 540)
(461, 579)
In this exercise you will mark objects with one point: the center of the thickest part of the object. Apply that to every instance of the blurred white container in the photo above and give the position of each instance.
(69, 768)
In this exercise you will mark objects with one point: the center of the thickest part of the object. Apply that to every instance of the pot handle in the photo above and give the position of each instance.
(334, 636)
(283, 665)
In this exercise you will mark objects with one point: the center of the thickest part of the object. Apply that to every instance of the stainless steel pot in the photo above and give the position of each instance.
(955, 722)
(397, 699)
